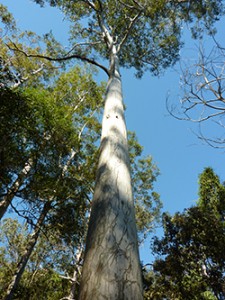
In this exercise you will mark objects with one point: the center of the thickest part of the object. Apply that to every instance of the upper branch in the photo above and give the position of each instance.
(60, 59)
(101, 22)
(126, 35)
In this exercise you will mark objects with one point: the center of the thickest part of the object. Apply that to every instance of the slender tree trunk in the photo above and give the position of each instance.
(111, 264)
(76, 274)
(7, 199)
(26, 255)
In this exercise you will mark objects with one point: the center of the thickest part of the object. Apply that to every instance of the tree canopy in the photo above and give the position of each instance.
(146, 35)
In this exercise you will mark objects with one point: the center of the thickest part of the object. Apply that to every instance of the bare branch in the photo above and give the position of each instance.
(203, 99)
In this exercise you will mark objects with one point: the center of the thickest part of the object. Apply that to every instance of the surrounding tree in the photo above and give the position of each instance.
(41, 130)
(15, 69)
(22, 135)
(42, 149)
(40, 279)
(31, 241)
(191, 259)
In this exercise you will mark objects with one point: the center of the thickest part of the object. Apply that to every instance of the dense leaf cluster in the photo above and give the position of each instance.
(190, 263)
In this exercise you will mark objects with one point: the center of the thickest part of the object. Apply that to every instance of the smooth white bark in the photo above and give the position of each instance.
(111, 265)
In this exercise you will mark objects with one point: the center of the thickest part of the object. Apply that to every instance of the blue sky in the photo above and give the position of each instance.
(180, 156)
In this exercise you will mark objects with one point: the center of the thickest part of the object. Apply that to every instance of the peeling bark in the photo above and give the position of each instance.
(111, 264)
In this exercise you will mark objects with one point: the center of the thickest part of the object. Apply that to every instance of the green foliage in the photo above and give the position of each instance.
(7, 19)
(46, 124)
(15, 128)
(147, 33)
(211, 193)
(144, 174)
(39, 281)
(46, 285)
(190, 263)
(16, 68)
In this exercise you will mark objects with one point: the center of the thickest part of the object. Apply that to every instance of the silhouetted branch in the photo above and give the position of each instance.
(203, 93)
(61, 59)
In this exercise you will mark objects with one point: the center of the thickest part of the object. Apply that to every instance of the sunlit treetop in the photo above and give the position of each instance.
(6, 19)
(146, 34)
(211, 193)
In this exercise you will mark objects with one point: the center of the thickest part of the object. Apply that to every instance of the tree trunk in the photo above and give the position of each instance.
(111, 264)
(26, 255)
(7, 199)
(76, 274)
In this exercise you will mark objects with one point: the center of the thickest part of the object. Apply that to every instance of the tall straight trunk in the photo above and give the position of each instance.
(26, 255)
(111, 264)
(7, 199)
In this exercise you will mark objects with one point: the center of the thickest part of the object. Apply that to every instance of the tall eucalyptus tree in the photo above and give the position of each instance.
(144, 35)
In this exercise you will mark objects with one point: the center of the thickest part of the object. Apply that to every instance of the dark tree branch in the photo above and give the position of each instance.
(60, 59)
